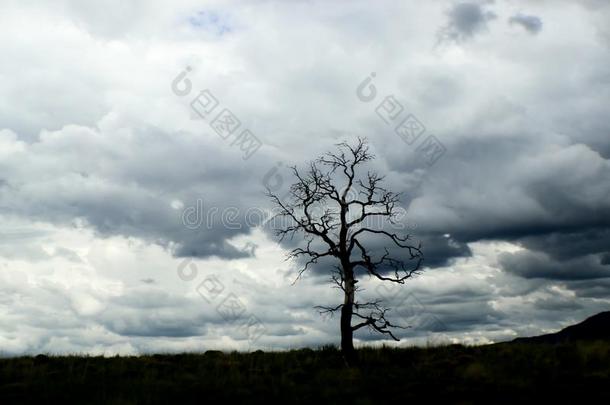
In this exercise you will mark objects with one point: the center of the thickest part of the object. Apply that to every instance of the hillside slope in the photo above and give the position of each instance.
(596, 327)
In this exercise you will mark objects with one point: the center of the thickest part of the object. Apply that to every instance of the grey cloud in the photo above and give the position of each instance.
(131, 197)
(468, 315)
(440, 250)
(539, 265)
(531, 23)
(553, 202)
(570, 243)
(466, 20)
(154, 325)
(596, 288)
(558, 304)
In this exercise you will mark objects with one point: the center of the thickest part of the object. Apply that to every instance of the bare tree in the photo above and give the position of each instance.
(331, 206)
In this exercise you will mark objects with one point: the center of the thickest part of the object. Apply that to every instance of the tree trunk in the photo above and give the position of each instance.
(347, 334)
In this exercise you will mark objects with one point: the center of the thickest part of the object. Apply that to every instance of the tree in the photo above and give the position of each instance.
(331, 206)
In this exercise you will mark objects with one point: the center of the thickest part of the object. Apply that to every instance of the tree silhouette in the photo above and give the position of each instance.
(331, 207)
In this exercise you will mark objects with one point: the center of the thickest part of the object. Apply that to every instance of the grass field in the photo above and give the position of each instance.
(502, 373)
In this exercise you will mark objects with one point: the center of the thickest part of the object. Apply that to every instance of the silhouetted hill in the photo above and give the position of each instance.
(596, 327)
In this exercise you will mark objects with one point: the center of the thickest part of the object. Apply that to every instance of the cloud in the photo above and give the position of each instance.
(100, 160)
(466, 20)
(538, 265)
(210, 21)
(531, 23)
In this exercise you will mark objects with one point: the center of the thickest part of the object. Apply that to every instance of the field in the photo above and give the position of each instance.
(501, 373)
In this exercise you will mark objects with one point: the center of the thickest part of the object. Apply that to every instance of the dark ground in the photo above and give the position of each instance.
(502, 373)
